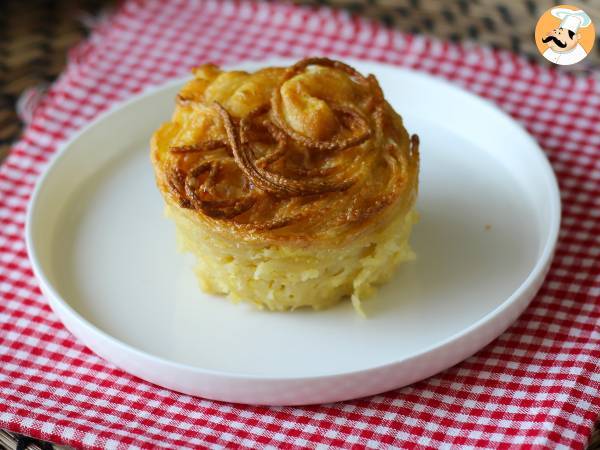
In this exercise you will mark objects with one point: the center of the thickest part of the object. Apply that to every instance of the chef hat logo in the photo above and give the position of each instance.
(565, 34)
(571, 20)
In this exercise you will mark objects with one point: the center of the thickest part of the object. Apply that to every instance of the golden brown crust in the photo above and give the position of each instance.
(302, 154)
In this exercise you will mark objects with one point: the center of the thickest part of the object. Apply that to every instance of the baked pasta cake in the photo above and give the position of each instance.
(292, 186)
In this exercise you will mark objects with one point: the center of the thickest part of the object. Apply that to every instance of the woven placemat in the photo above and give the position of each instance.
(36, 35)
(506, 24)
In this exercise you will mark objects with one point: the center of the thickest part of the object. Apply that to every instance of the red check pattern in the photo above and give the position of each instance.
(537, 385)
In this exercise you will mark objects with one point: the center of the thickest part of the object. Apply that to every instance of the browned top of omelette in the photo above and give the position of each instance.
(308, 152)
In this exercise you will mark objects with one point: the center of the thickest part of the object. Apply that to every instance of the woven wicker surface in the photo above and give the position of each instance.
(507, 24)
(34, 39)
(35, 36)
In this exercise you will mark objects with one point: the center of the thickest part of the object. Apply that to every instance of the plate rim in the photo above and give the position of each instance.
(61, 307)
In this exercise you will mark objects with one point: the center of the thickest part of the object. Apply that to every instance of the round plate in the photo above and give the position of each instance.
(106, 259)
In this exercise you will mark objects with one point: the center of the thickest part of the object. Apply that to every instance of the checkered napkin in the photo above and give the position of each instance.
(538, 384)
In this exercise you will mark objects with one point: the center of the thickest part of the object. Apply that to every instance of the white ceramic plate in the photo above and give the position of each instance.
(106, 259)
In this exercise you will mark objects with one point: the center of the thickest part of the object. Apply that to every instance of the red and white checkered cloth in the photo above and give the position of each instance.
(537, 385)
